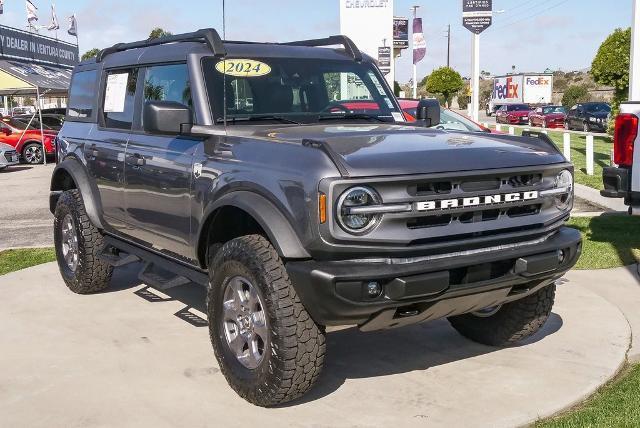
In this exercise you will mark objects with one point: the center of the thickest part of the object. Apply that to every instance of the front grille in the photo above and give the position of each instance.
(11, 156)
(439, 209)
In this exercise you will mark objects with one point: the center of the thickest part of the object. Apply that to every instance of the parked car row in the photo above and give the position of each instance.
(587, 117)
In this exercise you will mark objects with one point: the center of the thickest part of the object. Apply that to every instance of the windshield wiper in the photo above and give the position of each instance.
(257, 118)
(351, 116)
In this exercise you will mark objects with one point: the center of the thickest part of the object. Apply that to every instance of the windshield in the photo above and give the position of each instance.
(518, 107)
(596, 108)
(553, 109)
(297, 90)
(21, 124)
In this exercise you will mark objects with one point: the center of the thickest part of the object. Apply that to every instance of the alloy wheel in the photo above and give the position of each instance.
(244, 322)
(69, 242)
(33, 154)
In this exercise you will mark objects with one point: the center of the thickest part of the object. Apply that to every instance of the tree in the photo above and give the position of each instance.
(611, 67)
(396, 88)
(575, 94)
(92, 53)
(158, 32)
(446, 82)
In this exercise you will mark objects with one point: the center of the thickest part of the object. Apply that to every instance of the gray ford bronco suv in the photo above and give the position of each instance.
(284, 179)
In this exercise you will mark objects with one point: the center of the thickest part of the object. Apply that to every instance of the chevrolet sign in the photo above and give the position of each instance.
(477, 201)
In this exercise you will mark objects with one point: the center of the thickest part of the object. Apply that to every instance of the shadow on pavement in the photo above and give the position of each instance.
(351, 353)
(15, 169)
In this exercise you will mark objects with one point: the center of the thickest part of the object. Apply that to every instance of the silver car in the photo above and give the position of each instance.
(8, 156)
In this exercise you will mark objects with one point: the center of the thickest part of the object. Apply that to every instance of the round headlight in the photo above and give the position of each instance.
(564, 180)
(357, 223)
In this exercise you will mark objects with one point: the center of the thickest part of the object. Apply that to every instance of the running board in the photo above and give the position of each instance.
(178, 273)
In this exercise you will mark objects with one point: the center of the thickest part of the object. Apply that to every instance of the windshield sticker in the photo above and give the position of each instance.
(116, 93)
(398, 117)
(243, 68)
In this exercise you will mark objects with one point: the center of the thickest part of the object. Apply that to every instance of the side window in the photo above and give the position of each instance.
(168, 83)
(82, 94)
(119, 98)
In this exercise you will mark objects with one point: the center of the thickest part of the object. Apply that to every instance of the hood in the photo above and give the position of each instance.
(381, 149)
(599, 114)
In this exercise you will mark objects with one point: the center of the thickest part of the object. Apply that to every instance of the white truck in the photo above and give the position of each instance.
(621, 180)
(533, 89)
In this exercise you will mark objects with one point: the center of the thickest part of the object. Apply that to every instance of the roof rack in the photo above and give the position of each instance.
(206, 35)
(348, 44)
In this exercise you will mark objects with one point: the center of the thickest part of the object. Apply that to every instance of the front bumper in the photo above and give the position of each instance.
(336, 293)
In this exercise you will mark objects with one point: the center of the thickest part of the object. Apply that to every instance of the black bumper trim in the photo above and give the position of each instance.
(616, 182)
(334, 293)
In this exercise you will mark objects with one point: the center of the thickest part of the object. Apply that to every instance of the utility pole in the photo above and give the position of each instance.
(634, 71)
(449, 45)
(475, 76)
(415, 68)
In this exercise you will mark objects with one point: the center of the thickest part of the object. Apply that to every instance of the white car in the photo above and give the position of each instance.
(8, 156)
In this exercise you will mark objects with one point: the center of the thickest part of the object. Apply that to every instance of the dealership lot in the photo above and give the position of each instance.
(25, 219)
(149, 353)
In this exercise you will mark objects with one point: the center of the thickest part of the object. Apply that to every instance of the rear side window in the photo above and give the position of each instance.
(119, 98)
(82, 94)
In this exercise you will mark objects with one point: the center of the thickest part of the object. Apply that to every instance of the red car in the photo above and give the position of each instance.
(27, 140)
(449, 119)
(513, 114)
(548, 117)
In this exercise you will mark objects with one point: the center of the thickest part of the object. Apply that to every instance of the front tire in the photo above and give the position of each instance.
(78, 243)
(510, 323)
(268, 348)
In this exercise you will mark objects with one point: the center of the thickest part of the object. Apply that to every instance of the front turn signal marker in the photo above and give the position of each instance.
(322, 208)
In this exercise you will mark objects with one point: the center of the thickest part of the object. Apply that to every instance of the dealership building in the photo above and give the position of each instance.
(34, 69)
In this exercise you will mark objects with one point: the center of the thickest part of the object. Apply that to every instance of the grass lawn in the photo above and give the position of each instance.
(602, 147)
(609, 241)
(13, 260)
(614, 405)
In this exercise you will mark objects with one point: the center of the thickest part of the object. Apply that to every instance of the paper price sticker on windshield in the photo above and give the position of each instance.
(243, 68)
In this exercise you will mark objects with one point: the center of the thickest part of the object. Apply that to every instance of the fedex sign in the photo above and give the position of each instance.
(535, 81)
(506, 89)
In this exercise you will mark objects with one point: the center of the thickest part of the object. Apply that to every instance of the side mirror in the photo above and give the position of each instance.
(6, 131)
(429, 112)
(167, 117)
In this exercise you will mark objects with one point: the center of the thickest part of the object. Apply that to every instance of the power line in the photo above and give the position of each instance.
(533, 16)
(531, 9)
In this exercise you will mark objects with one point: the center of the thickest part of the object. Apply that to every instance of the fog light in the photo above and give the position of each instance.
(561, 256)
(374, 289)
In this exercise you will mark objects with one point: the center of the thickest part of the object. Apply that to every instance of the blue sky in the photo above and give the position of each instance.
(532, 35)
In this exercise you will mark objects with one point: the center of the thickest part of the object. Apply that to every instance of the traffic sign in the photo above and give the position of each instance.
(477, 15)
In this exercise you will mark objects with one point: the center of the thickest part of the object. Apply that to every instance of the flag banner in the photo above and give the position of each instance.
(1, 7)
(32, 12)
(73, 26)
(54, 20)
(419, 43)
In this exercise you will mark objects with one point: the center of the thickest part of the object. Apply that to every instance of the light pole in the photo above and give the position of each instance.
(634, 69)
(415, 67)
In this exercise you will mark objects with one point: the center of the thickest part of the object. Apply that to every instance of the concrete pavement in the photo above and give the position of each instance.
(25, 220)
(134, 357)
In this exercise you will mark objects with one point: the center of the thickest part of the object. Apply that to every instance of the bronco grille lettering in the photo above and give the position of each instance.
(445, 204)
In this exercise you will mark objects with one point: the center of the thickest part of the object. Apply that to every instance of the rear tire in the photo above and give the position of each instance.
(511, 323)
(287, 361)
(78, 243)
(33, 154)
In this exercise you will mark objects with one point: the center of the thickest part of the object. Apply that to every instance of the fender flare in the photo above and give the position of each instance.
(88, 190)
(269, 217)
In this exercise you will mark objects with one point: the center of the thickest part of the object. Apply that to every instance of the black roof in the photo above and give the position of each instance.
(151, 51)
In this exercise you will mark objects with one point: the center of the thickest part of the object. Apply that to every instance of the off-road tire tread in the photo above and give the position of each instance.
(298, 343)
(92, 274)
(514, 322)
